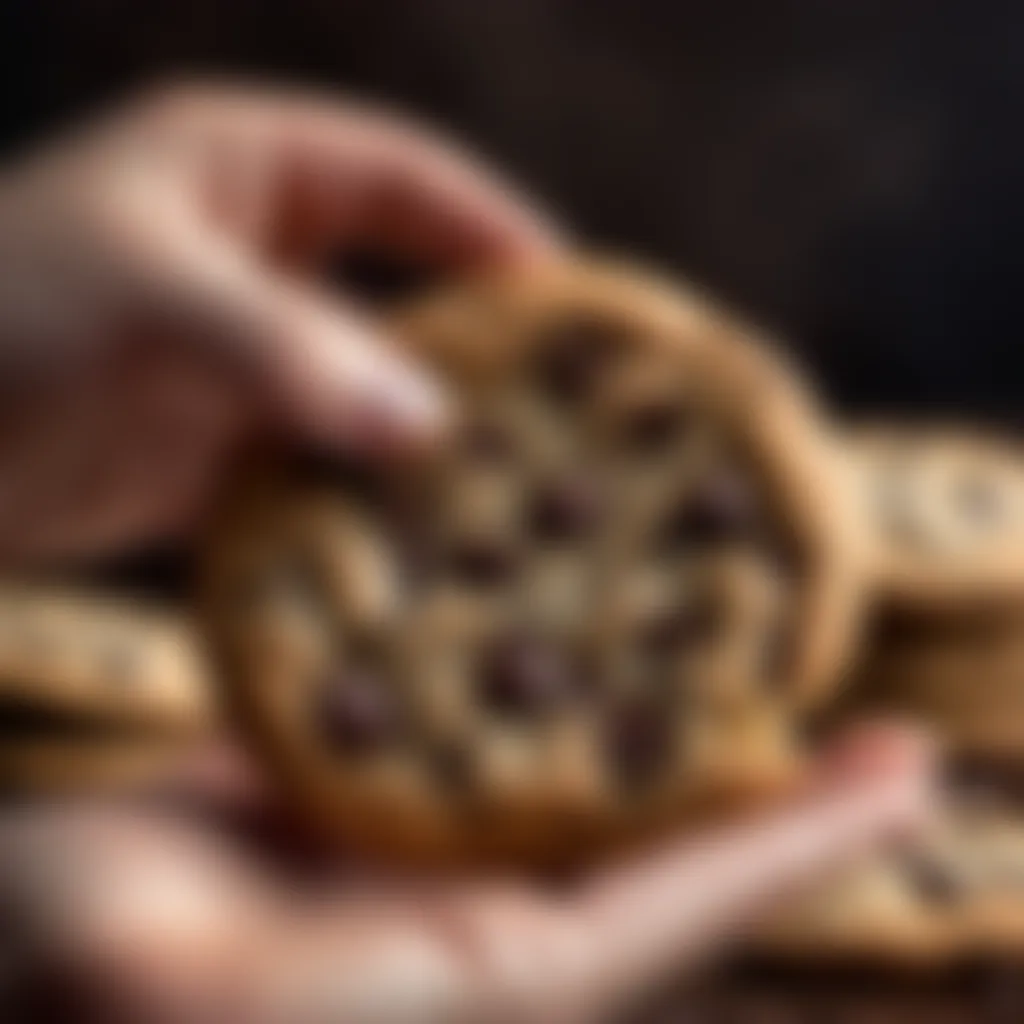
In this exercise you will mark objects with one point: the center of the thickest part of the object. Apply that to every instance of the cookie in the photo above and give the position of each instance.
(94, 691)
(957, 895)
(961, 674)
(946, 509)
(947, 514)
(598, 607)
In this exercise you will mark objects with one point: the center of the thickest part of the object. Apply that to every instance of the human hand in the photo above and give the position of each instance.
(150, 916)
(154, 314)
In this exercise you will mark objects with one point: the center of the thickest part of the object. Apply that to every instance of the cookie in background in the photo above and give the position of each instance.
(96, 691)
(948, 898)
(946, 641)
(945, 507)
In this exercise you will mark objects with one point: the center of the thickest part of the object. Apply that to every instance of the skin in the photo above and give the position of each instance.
(155, 318)
(152, 292)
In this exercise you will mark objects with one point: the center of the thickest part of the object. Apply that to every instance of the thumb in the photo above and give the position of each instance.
(667, 908)
(321, 367)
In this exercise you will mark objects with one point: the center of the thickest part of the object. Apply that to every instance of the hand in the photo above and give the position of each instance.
(152, 317)
(149, 916)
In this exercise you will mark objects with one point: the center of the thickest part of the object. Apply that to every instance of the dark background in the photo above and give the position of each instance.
(846, 170)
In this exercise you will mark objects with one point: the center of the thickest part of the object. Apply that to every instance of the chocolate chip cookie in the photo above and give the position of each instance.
(947, 509)
(962, 674)
(956, 895)
(597, 608)
(94, 691)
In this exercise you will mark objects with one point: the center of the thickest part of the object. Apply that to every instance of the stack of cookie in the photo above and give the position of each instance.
(947, 638)
(95, 691)
(956, 896)
(945, 646)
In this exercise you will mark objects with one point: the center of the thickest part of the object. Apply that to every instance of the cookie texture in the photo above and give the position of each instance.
(598, 607)
(961, 674)
(95, 691)
(946, 513)
(955, 895)
(946, 508)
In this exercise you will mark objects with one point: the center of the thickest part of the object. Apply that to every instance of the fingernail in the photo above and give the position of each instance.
(388, 396)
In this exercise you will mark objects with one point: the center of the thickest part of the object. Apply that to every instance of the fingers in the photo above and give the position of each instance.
(220, 776)
(512, 953)
(464, 953)
(340, 173)
(376, 181)
(651, 916)
(433, 202)
(327, 174)
(139, 505)
(321, 369)
(123, 915)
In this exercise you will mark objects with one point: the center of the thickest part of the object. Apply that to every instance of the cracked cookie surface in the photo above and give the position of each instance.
(596, 609)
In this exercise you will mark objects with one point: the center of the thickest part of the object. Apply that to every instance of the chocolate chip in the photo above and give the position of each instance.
(673, 630)
(776, 654)
(652, 428)
(637, 742)
(483, 562)
(524, 676)
(565, 509)
(418, 552)
(487, 442)
(722, 507)
(572, 354)
(417, 562)
(932, 880)
(355, 712)
(451, 764)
